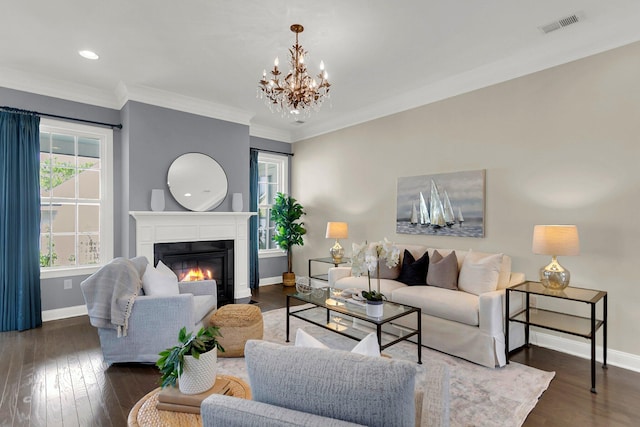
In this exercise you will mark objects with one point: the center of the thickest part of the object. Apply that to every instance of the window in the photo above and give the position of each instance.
(272, 179)
(76, 225)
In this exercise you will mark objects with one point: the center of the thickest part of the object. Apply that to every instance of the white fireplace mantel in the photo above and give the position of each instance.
(170, 227)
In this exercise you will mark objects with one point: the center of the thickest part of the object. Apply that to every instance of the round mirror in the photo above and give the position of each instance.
(197, 182)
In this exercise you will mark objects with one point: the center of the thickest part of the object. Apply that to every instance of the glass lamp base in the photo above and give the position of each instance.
(554, 276)
(337, 252)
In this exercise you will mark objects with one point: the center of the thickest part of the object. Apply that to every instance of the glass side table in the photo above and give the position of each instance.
(585, 327)
(326, 260)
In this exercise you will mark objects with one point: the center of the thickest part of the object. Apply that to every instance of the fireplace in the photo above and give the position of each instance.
(201, 260)
(174, 227)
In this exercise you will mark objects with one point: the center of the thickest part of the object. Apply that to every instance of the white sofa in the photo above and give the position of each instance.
(453, 321)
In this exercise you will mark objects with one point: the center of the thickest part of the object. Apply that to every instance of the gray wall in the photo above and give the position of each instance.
(152, 137)
(273, 267)
(157, 136)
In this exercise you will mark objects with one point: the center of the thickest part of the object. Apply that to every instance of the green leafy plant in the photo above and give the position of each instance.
(286, 213)
(171, 361)
(373, 295)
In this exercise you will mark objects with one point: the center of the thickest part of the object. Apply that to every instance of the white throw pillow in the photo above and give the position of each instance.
(368, 346)
(303, 339)
(479, 273)
(160, 281)
(162, 268)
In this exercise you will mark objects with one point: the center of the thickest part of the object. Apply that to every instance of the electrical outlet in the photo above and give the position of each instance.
(68, 284)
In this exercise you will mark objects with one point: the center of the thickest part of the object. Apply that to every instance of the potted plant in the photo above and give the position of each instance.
(193, 361)
(286, 213)
(366, 258)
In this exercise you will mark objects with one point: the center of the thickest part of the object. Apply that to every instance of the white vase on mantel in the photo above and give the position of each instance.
(157, 200)
(236, 202)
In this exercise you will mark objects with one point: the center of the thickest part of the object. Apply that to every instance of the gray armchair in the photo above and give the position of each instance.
(317, 387)
(155, 321)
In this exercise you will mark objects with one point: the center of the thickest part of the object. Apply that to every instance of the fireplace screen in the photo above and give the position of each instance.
(196, 261)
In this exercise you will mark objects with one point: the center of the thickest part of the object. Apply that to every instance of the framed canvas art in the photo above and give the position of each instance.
(445, 204)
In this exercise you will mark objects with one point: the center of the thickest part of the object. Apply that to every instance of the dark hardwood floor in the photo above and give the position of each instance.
(55, 376)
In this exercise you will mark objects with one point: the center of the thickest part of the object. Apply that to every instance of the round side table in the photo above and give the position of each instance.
(145, 413)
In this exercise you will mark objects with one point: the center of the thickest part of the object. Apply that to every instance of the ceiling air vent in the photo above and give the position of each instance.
(561, 23)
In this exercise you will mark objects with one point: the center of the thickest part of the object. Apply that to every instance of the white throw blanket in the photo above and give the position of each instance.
(110, 293)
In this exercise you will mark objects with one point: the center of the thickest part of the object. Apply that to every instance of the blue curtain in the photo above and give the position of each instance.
(254, 273)
(20, 306)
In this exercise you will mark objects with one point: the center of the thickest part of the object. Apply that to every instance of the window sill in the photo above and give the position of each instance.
(274, 254)
(53, 273)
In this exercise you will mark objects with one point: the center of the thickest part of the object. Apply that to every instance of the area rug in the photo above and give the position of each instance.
(480, 396)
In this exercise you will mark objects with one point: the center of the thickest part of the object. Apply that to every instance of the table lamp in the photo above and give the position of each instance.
(337, 230)
(555, 240)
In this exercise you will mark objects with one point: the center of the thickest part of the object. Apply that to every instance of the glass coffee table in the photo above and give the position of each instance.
(334, 313)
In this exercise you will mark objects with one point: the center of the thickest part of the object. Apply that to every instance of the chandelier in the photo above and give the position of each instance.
(298, 92)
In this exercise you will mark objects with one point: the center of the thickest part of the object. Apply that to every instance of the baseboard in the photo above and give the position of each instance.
(265, 281)
(64, 313)
(583, 350)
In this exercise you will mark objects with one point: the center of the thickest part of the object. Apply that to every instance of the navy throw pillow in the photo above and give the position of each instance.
(414, 272)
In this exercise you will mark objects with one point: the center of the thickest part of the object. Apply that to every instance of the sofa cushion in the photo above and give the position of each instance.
(443, 271)
(414, 272)
(159, 281)
(333, 383)
(456, 306)
(444, 252)
(479, 273)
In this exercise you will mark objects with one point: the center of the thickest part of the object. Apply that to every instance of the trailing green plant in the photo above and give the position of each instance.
(171, 361)
(285, 213)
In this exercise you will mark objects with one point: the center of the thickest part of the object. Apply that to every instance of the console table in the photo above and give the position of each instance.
(585, 327)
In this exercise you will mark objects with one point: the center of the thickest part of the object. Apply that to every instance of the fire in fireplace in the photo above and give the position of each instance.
(205, 260)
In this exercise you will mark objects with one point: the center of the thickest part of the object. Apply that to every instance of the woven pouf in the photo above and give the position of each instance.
(238, 323)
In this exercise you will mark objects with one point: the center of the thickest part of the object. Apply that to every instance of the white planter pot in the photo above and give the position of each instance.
(375, 308)
(199, 375)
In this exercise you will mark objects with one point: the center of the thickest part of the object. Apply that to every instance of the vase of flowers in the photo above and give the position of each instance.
(366, 259)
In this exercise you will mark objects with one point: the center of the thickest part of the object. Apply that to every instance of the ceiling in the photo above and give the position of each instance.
(206, 56)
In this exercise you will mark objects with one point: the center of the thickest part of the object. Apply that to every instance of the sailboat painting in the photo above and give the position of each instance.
(435, 204)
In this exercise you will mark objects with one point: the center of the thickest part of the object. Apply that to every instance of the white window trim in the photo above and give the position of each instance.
(283, 159)
(106, 203)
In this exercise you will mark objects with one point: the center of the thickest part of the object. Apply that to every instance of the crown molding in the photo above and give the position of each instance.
(267, 132)
(174, 101)
(47, 86)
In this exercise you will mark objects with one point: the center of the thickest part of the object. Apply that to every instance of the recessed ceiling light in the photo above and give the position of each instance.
(88, 54)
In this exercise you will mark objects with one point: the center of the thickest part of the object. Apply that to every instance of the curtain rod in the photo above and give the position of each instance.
(55, 116)
(273, 152)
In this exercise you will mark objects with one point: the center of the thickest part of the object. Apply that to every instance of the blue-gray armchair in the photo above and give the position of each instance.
(153, 322)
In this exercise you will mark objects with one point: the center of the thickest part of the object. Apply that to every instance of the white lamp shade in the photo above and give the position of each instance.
(556, 240)
(337, 230)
